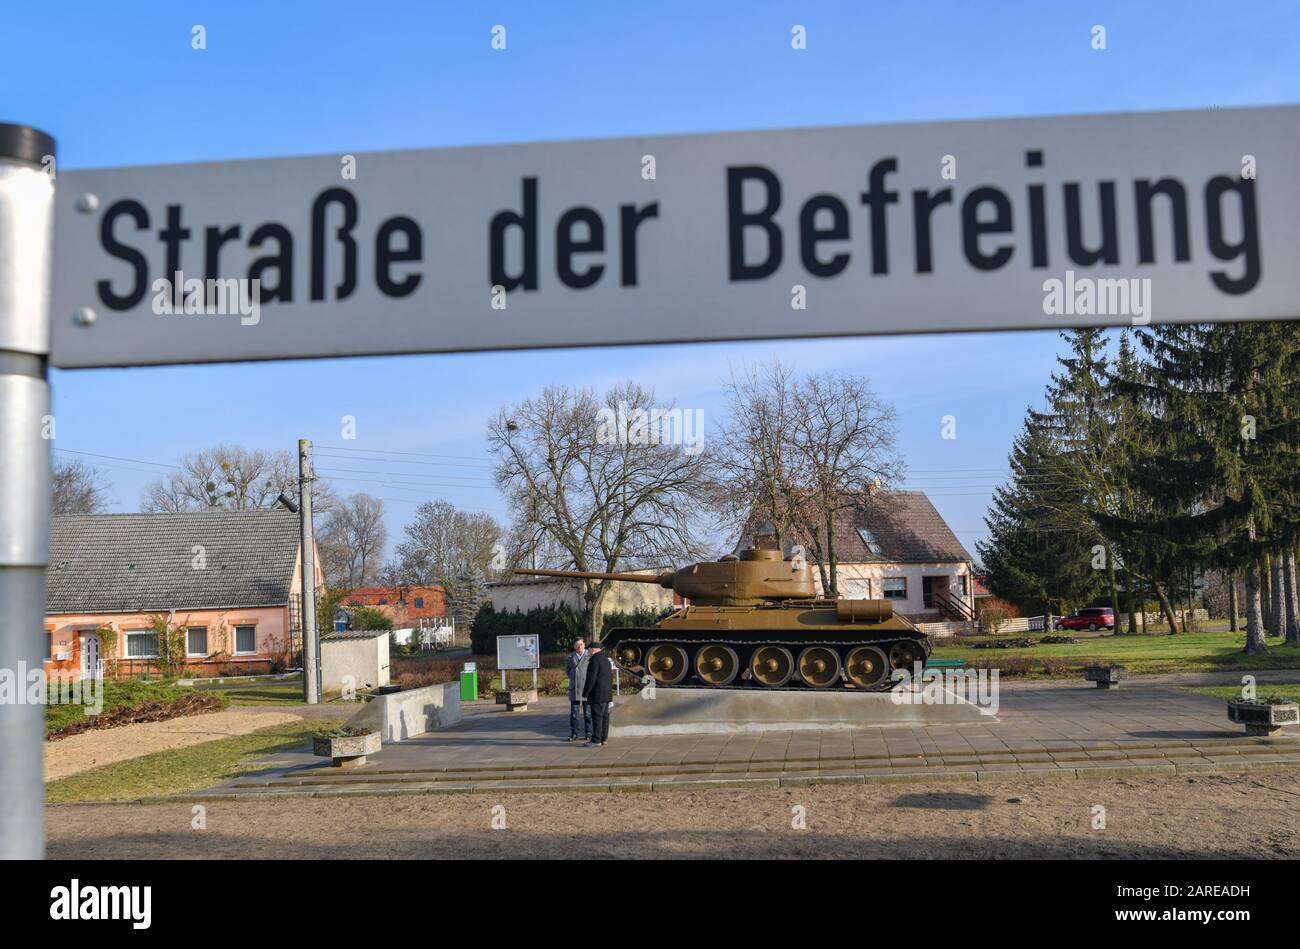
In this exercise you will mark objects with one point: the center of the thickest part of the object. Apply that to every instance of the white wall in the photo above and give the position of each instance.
(621, 597)
(875, 573)
(398, 716)
(364, 658)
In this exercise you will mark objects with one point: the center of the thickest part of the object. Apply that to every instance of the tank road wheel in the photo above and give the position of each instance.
(771, 666)
(903, 655)
(866, 666)
(716, 665)
(667, 663)
(819, 666)
(627, 655)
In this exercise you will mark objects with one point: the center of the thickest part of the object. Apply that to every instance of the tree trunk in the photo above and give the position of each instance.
(1255, 644)
(1265, 590)
(1234, 608)
(1292, 600)
(1277, 612)
(1132, 600)
(1114, 588)
(1166, 607)
(830, 554)
(591, 596)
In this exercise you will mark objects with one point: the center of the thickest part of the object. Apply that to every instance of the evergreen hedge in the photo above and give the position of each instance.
(556, 626)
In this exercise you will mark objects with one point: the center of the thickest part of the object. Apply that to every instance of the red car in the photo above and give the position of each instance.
(1093, 617)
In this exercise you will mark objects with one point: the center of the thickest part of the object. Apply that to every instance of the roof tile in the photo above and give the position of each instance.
(135, 562)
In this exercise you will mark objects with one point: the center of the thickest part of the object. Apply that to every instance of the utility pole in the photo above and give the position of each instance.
(310, 652)
(26, 227)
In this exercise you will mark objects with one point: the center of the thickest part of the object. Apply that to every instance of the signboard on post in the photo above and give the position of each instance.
(518, 652)
(981, 225)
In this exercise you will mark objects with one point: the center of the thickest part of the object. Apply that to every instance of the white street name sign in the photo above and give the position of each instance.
(981, 225)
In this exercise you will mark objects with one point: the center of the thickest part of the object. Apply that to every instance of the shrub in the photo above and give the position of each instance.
(367, 617)
(556, 627)
(417, 672)
(632, 618)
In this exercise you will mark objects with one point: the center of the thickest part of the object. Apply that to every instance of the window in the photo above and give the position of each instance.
(894, 588)
(869, 539)
(961, 584)
(245, 640)
(196, 641)
(142, 644)
(49, 645)
(855, 589)
(383, 601)
(419, 602)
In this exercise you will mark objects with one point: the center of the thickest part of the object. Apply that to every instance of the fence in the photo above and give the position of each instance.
(439, 633)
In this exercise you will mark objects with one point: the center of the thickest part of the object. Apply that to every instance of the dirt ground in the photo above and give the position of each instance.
(94, 748)
(1203, 816)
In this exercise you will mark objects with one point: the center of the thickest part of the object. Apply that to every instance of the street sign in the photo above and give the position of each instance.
(982, 225)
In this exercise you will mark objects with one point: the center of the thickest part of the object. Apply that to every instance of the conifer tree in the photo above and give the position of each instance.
(1225, 427)
(1037, 554)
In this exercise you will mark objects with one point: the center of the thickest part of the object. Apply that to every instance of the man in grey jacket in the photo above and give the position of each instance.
(575, 667)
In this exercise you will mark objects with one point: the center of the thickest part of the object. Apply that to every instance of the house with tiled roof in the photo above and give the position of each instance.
(893, 545)
(231, 579)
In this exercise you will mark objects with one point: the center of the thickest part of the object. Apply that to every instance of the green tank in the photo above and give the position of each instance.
(755, 622)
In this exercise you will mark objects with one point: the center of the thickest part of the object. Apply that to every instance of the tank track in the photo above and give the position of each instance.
(643, 639)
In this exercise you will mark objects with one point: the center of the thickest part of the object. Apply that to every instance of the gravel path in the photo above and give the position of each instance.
(94, 748)
(1201, 816)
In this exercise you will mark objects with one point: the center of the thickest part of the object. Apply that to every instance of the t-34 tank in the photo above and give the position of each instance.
(755, 621)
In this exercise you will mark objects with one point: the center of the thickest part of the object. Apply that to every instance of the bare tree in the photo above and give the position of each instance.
(443, 543)
(231, 478)
(595, 478)
(78, 489)
(352, 541)
(845, 442)
(753, 457)
(796, 453)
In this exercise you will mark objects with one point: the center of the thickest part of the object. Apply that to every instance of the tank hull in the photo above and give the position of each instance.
(803, 646)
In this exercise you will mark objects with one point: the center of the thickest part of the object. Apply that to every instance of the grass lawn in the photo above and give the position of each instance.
(1185, 652)
(118, 693)
(184, 769)
(1289, 691)
(286, 693)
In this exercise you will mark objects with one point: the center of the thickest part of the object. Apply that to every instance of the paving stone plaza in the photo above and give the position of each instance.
(1041, 731)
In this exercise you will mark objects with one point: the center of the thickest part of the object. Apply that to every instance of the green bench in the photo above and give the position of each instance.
(946, 664)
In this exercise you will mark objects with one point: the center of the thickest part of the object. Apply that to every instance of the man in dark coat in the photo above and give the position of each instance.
(599, 692)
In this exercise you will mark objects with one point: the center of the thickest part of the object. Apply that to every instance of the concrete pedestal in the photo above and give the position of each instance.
(727, 711)
(516, 700)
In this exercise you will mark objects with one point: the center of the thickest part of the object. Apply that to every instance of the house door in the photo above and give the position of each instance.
(91, 667)
(929, 587)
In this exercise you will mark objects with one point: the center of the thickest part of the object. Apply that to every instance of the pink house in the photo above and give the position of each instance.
(231, 579)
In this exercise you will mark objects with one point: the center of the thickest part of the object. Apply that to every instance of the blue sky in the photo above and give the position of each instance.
(118, 84)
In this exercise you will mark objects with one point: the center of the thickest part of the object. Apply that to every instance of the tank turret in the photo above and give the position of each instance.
(756, 576)
(756, 621)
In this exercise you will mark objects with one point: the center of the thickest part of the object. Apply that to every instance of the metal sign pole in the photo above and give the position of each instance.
(26, 224)
(310, 654)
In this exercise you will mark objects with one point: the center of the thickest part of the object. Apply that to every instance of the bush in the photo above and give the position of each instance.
(367, 617)
(556, 626)
(632, 618)
(418, 671)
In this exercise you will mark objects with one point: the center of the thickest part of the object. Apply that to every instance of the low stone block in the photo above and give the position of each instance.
(1106, 677)
(516, 700)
